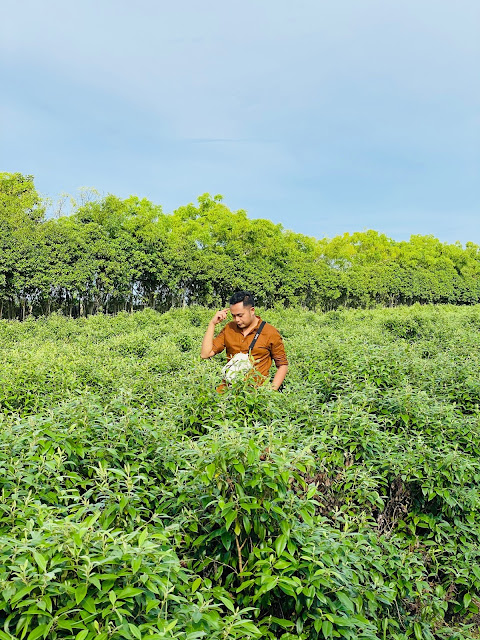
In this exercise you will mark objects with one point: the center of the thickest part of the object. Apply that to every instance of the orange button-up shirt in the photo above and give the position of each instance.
(268, 347)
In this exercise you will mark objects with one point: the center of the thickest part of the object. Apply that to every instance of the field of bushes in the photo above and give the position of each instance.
(136, 502)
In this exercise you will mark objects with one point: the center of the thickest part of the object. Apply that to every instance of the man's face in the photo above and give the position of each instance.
(242, 315)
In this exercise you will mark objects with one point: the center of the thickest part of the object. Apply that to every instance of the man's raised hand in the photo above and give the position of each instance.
(207, 344)
(220, 316)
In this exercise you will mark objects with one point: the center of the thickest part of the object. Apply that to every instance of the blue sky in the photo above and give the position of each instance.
(324, 116)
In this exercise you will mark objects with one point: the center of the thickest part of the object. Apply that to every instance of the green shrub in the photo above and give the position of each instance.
(137, 502)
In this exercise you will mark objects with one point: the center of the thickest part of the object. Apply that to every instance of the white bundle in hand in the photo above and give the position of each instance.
(240, 363)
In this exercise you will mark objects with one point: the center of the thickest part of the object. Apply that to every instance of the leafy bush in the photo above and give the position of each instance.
(137, 502)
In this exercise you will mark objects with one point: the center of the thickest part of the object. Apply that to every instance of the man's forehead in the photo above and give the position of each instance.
(239, 307)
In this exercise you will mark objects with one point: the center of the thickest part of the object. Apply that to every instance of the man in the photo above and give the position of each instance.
(237, 336)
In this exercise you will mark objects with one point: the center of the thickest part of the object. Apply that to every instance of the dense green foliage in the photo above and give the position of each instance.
(136, 502)
(112, 254)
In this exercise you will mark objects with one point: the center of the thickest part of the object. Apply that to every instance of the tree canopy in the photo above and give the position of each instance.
(113, 254)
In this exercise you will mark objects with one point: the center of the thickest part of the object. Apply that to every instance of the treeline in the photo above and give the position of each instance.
(111, 254)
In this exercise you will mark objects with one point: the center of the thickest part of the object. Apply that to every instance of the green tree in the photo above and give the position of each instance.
(21, 212)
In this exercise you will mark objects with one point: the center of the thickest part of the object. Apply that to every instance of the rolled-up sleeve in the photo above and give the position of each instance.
(218, 344)
(278, 350)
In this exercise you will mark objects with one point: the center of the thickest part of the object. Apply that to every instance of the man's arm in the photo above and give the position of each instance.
(279, 377)
(280, 358)
(207, 344)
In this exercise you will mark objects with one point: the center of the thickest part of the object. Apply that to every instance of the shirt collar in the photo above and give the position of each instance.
(254, 328)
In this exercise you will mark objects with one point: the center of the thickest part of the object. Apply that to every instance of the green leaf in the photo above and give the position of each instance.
(229, 518)
(280, 544)
(94, 580)
(248, 627)
(195, 584)
(152, 604)
(135, 630)
(244, 585)
(39, 631)
(142, 537)
(286, 624)
(247, 525)
(89, 605)
(417, 628)
(345, 600)
(20, 594)
(268, 583)
(68, 624)
(311, 491)
(327, 628)
(210, 471)
(80, 593)
(129, 592)
(81, 635)
(228, 603)
(151, 586)
(136, 564)
(467, 598)
(339, 620)
(40, 560)
(123, 503)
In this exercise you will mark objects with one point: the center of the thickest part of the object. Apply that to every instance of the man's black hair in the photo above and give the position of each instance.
(243, 296)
